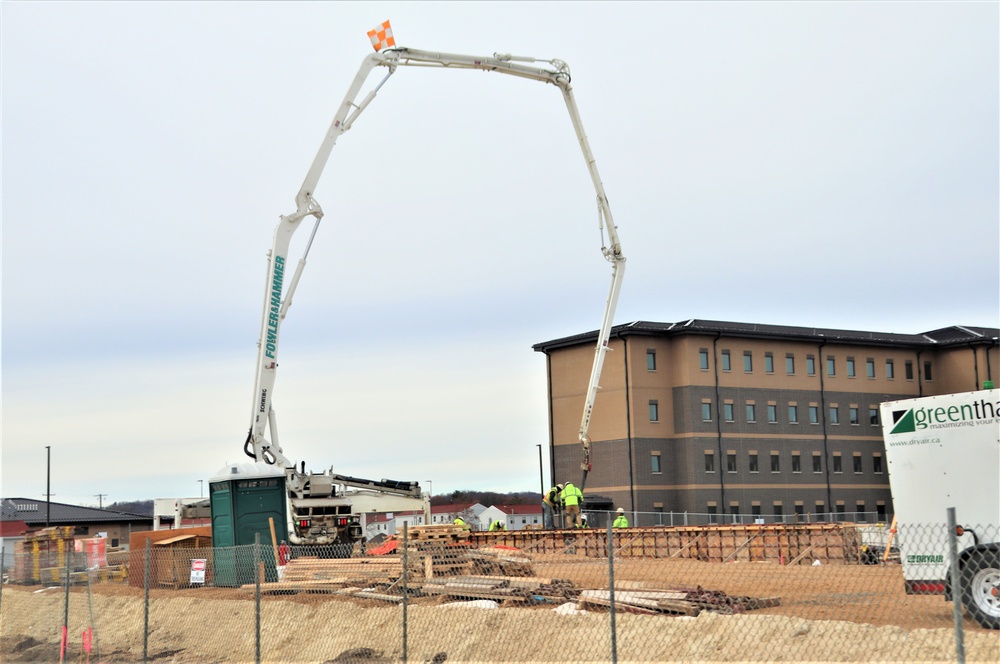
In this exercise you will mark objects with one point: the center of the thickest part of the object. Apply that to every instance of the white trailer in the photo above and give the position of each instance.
(944, 452)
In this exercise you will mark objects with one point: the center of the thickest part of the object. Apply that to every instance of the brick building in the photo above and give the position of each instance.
(762, 421)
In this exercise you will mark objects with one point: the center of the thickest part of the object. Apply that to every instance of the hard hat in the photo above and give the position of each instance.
(559, 486)
(621, 510)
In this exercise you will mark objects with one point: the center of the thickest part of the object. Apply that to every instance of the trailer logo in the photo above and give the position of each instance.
(924, 559)
(944, 417)
(272, 319)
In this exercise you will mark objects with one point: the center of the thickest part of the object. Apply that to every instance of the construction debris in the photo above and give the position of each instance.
(684, 601)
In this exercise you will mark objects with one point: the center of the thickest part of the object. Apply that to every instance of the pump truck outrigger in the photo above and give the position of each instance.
(324, 508)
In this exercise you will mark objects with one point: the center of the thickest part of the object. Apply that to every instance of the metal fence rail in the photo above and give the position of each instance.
(435, 594)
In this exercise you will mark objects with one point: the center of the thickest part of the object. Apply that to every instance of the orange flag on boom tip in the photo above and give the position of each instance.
(382, 37)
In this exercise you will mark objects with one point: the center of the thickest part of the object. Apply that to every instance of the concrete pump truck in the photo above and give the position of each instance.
(325, 507)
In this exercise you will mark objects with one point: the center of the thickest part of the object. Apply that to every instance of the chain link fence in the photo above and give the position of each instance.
(761, 592)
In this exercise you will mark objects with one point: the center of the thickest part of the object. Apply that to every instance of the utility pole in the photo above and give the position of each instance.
(100, 501)
(48, 483)
(541, 474)
(201, 488)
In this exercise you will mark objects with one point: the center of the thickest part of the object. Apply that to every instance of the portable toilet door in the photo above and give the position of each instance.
(246, 498)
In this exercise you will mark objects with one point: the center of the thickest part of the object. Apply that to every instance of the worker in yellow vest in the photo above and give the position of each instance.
(550, 505)
(621, 521)
(460, 522)
(571, 498)
(498, 525)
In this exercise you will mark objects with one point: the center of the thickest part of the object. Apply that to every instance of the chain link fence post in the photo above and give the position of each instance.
(956, 587)
(145, 605)
(406, 577)
(258, 572)
(65, 625)
(611, 590)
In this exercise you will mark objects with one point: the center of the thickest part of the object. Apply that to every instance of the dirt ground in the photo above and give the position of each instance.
(827, 613)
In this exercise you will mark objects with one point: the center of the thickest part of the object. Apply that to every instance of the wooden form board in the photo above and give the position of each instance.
(829, 542)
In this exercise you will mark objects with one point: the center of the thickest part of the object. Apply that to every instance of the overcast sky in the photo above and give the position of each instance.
(815, 164)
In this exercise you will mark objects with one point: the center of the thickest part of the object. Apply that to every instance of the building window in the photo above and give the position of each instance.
(890, 369)
(779, 511)
(751, 413)
(880, 511)
(927, 371)
(800, 509)
(790, 364)
(709, 462)
(857, 463)
(877, 464)
(706, 412)
(769, 363)
(838, 464)
(775, 463)
(810, 365)
(731, 462)
(908, 370)
(754, 467)
(650, 360)
(793, 414)
(854, 415)
(654, 462)
(831, 366)
(654, 411)
(834, 415)
(870, 367)
(813, 414)
(713, 511)
(850, 367)
(747, 361)
(817, 463)
(873, 416)
(727, 412)
(703, 359)
(755, 509)
(727, 364)
(772, 413)
(796, 462)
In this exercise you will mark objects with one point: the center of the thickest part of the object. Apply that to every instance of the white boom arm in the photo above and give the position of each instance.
(275, 308)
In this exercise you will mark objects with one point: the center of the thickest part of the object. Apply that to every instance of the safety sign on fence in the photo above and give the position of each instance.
(198, 570)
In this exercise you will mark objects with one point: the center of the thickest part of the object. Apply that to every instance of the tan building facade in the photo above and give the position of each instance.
(735, 420)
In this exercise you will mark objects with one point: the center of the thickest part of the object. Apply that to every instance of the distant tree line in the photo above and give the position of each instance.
(487, 498)
(144, 507)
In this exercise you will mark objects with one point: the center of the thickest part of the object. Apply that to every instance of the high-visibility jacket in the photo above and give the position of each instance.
(620, 522)
(552, 497)
(571, 495)
(459, 521)
(498, 525)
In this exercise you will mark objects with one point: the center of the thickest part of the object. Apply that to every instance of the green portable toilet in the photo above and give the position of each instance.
(245, 497)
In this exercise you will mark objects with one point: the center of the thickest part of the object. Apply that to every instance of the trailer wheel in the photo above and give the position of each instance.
(981, 592)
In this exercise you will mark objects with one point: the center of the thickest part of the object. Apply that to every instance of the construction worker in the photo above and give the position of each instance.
(460, 522)
(621, 521)
(583, 521)
(571, 497)
(550, 504)
(498, 525)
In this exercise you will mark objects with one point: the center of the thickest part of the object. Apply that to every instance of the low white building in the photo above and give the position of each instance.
(514, 517)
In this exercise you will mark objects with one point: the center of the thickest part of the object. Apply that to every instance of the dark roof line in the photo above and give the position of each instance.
(946, 336)
(33, 511)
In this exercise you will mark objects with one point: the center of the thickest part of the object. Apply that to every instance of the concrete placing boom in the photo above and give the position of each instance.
(308, 489)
